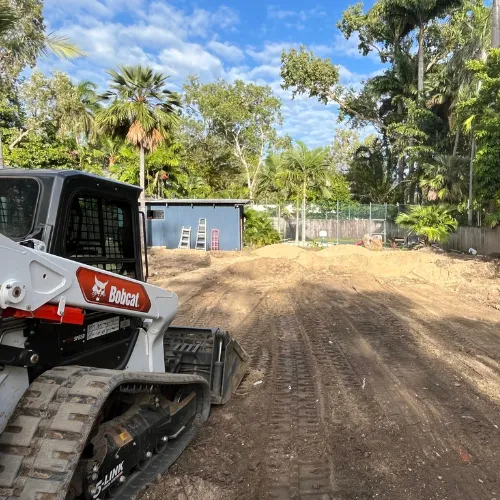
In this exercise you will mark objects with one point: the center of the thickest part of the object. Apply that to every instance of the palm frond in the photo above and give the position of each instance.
(61, 46)
(7, 17)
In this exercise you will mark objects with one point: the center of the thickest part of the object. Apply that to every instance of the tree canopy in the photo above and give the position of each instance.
(422, 130)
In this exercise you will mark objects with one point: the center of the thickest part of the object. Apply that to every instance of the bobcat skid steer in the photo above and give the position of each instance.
(98, 393)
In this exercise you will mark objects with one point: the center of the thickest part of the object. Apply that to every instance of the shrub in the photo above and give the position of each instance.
(259, 230)
(433, 223)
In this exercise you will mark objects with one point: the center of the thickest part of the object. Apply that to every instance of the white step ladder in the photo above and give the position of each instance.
(185, 241)
(201, 236)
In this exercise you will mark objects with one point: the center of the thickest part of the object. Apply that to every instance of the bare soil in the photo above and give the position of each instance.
(372, 375)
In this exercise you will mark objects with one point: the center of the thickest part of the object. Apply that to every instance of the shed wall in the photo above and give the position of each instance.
(167, 232)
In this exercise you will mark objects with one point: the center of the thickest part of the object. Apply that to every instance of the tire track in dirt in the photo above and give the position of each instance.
(297, 458)
(384, 350)
(486, 338)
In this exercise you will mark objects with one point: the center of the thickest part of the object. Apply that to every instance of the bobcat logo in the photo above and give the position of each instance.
(99, 289)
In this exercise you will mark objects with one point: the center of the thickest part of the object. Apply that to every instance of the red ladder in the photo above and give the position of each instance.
(215, 240)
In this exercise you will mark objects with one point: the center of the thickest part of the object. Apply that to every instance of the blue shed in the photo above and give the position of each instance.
(166, 218)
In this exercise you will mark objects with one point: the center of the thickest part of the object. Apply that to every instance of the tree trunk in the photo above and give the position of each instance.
(421, 62)
(470, 212)
(142, 178)
(495, 40)
(457, 141)
(19, 138)
(297, 222)
(401, 161)
(250, 187)
(1, 151)
(304, 190)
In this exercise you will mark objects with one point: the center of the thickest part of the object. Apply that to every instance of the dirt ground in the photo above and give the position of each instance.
(372, 376)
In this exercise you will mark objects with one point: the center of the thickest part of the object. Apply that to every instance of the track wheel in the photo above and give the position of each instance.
(116, 489)
(143, 464)
(161, 446)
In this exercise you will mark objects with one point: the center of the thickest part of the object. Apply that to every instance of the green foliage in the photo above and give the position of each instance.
(434, 223)
(308, 74)
(8, 17)
(445, 178)
(492, 219)
(413, 103)
(344, 146)
(259, 230)
(23, 39)
(242, 116)
(142, 109)
(483, 111)
(370, 174)
(37, 152)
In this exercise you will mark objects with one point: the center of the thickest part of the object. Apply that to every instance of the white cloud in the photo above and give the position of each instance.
(189, 59)
(271, 53)
(275, 12)
(199, 22)
(226, 51)
(179, 41)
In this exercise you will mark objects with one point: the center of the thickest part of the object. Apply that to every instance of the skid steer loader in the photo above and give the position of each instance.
(98, 393)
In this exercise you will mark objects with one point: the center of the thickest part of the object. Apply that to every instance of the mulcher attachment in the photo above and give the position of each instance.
(210, 353)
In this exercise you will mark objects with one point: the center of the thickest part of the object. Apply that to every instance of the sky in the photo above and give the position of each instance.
(236, 39)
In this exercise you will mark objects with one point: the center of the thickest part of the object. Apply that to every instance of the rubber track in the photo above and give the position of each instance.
(41, 446)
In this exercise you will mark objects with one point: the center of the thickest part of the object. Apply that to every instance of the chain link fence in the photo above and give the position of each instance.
(339, 223)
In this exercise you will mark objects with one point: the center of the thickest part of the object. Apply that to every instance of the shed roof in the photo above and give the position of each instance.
(198, 201)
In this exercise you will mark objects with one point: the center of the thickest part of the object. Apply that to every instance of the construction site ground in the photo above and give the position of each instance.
(372, 375)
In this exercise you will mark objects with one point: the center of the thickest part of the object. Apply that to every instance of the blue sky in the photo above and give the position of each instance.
(236, 39)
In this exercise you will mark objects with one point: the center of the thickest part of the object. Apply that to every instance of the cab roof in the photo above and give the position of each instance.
(63, 175)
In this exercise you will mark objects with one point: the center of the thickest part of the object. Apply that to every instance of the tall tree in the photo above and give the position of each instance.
(244, 115)
(23, 38)
(310, 169)
(496, 25)
(420, 13)
(142, 110)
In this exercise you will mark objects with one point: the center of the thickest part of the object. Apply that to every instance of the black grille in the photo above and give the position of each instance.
(100, 233)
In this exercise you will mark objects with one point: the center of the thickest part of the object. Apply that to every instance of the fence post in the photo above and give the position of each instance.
(337, 222)
(279, 220)
(385, 225)
(370, 228)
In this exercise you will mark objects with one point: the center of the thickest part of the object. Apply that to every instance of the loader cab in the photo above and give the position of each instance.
(74, 215)
(87, 219)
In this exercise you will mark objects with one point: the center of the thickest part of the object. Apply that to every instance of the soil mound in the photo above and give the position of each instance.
(266, 268)
(168, 263)
(280, 251)
(343, 250)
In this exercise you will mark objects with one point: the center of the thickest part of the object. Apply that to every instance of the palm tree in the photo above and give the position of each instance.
(445, 179)
(47, 43)
(142, 110)
(419, 13)
(431, 223)
(7, 16)
(309, 168)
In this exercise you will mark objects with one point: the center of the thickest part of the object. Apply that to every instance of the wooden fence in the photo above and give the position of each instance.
(345, 230)
(485, 241)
